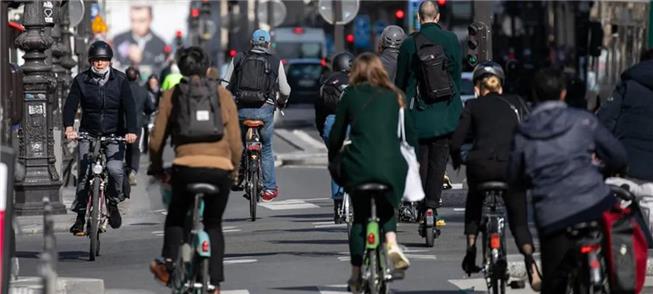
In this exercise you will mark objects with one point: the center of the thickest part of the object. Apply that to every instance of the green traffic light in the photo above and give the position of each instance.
(472, 60)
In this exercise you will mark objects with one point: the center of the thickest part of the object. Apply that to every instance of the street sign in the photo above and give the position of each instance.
(349, 10)
(362, 31)
(279, 12)
(76, 12)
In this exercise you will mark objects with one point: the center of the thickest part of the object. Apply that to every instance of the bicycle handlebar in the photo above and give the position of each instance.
(622, 192)
(102, 139)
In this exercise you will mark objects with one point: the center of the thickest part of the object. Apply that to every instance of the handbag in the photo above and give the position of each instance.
(413, 191)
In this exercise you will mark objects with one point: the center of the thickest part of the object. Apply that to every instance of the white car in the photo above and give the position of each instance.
(466, 87)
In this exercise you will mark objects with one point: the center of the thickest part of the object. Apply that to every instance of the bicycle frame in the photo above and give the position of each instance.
(253, 184)
(494, 248)
(589, 274)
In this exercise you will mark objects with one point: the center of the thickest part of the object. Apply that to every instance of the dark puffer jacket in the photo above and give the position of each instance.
(552, 156)
(109, 109)
(628, 114)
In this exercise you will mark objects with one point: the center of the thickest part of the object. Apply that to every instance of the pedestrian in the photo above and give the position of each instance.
(108, 108)
(258, 81)
(436, 106)
(628, 114)
(391, 40)
(154, 93)
(209, 154)
(492, 119)
(370, 108)
(144, 108)
(552, 156)
(325, 113)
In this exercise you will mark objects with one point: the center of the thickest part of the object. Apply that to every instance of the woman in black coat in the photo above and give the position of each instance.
(491, 121)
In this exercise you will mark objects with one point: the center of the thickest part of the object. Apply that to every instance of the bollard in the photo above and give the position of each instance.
(49, 255)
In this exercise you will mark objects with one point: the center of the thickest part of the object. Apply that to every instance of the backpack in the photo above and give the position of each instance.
(434, 83)
(255, 80)
(332, 90)
(626, 249)
(521, 111)
(196, 114)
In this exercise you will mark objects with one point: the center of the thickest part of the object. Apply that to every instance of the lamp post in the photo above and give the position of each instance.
(35, 134)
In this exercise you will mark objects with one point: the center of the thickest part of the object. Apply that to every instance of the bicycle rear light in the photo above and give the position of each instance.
(371, 238)
(495, 241)
(205, 246)
(254, 147)
(97, 169)
(585, 249)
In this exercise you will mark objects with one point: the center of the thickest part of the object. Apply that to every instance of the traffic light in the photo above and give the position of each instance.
(442, 3)
(477, 50)
(400, 15)
(349, 38)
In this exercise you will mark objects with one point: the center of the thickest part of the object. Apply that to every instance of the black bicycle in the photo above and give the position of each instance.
(252, 164)
(97, 175)
(493, 231)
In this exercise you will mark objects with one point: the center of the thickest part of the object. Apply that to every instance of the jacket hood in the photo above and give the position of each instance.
(546, 121)
(642, 73)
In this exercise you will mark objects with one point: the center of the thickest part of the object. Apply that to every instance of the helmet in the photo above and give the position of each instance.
(392, 37)
(260, 37)
(488, 68)
(100, 50)
(342, 61)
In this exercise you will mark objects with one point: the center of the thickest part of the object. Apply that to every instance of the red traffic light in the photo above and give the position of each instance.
(442, 2)
(179, 34)
(233, 53)
(400, 14)
(298, 30)
(349, 38)
(195, 12)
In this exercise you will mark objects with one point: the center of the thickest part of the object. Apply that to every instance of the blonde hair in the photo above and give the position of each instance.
(489, 84)
(367, 68)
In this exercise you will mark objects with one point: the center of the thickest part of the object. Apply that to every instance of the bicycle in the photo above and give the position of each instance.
(429, 229)
(493, 224)
(191, 269)
(97, 219)
(252, 163)
(345, 212)
(375, 271)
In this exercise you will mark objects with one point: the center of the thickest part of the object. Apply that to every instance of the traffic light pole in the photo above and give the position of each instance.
(35, 135)
(338, 29)
(483, 12)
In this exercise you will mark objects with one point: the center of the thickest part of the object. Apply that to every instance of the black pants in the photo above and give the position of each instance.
(514, 201)
(214, 206)
(433, 155)
(557, 261)
(362, 204)
(133, 157)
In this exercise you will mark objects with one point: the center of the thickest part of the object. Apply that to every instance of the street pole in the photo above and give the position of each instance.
(68, 63)
(83, 37)
(270, 15)
(35, 134)
(483, 12)
(338, 29)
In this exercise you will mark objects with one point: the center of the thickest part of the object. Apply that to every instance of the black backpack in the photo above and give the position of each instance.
(255, 79)
(434, 83)
(331, 91)
(196, 115)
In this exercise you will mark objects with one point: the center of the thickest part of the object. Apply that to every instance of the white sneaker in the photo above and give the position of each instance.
(397, 257)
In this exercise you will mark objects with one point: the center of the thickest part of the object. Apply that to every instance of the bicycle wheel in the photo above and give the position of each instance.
(348, 212)
(206, 277)
(253, 189)
(429, 235)
(373, 283)
(95, 220)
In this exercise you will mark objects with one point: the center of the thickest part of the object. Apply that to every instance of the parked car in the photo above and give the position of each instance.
(304, 77)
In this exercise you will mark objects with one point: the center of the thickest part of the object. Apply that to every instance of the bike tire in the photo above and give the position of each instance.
(373, 283)
(95, 220)
(429, 235)
(253, 192)
(206, 277)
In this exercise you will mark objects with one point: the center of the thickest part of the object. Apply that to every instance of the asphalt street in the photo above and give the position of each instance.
(293, 246)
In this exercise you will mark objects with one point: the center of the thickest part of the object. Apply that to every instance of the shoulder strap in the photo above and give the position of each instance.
(514, 109)
(421, 40)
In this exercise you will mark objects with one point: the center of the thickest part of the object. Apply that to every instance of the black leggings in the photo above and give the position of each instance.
(361, 203)
(557, 261)
(515, 202)
(214, 206)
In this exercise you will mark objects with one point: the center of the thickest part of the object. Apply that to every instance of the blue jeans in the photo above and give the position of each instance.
(266, 114)
(115, 154)
(336, 191)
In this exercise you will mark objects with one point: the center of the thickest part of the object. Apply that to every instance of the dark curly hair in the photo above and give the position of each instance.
(192, 61)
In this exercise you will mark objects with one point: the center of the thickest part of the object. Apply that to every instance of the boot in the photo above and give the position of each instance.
(469, 262)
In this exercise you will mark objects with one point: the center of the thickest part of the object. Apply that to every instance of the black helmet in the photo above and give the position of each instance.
(488, 68)
(342, 61)
(392, 37)
(100, 50)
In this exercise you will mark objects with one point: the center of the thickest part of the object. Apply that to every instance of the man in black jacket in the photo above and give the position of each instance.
(107, 109)
(144, 108)
(628, 114)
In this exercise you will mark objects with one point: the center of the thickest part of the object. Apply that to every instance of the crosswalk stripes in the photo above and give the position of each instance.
(328, 224)
(479, 285)
(333, 289)
(227, 229)
(289, 204)
(234, 292)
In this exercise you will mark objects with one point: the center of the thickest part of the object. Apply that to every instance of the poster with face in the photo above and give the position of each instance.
(140, 31)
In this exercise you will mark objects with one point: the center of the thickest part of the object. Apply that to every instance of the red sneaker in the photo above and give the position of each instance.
(269, 195)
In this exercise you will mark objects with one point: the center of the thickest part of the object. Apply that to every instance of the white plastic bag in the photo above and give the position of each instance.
(413, 191)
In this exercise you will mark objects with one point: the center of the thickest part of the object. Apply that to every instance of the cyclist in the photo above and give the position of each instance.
(391, 40)
(211, 161)
(491, 119)
(107, 109)
(255, 77)
(325, 112)
(552, 156)
(370, 107)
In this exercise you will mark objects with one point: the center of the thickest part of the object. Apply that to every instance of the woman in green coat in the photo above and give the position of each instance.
(370, 106)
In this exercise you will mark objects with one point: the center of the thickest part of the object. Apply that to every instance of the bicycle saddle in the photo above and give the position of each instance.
(253, 123)
(494, 186)
(372, 187)
(202, 188)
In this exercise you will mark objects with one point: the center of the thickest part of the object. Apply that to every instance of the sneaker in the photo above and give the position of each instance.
(115, 219)
(399, 260)
(160, 271)
(469, 262)
(337, 211)
(269, 195)
(132, 178)
(439, 223)
(355, 285)
(78, 227)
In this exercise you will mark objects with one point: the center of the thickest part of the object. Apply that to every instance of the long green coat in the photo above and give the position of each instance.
(437, 119)
(373, 155)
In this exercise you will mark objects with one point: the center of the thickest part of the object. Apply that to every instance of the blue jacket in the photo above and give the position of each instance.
(628, 114)
(552, 156)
